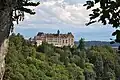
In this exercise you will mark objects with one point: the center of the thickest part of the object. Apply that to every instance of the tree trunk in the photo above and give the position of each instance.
(5, 25)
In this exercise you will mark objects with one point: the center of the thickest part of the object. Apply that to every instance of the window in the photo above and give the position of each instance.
(63, 41)
(72, 40)
(69, 39)
(66, 41)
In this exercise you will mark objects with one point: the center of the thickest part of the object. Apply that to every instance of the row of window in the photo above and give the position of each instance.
(64, 41)
(60, 44)
(58, 39)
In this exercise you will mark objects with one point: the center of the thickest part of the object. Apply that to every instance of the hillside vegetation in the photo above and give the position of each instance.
(46, 62)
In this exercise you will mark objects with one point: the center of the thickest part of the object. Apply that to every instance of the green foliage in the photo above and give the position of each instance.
(46, 62)
(18, 8)
(108, 10)
(106, 13)
(89, 72)
(46, 48)
(81, 45)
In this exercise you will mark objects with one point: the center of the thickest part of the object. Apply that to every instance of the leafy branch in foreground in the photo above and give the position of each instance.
(107, 13)
(19, 8)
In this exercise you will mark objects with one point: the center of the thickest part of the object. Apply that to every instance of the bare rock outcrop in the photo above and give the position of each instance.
(3, 51)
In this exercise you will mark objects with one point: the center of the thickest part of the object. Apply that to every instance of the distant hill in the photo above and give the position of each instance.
(98, 43)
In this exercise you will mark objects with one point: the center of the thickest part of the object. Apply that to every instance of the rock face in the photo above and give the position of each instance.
(5, 25)
(3, 51)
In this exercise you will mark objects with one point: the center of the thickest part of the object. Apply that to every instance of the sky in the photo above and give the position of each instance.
(66, 16)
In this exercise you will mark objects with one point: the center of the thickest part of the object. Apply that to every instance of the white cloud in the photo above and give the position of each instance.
(58, 12)
(65, 15)
(63, 11)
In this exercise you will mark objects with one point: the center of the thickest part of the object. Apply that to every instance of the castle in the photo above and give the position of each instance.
(58, 40)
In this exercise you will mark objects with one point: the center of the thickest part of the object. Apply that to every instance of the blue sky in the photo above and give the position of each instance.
(63, 15)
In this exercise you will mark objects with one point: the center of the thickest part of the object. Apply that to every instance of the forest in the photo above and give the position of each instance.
(25, 61)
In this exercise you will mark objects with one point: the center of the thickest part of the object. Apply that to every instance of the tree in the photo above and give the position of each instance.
(107, 13)
(95, 63)
(46, 48)
(11, 10)
(99, 67)
(81, 45)
(89, 72)
(20, 8)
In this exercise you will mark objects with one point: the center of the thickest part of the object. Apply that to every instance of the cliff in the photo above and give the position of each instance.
(3, 51)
